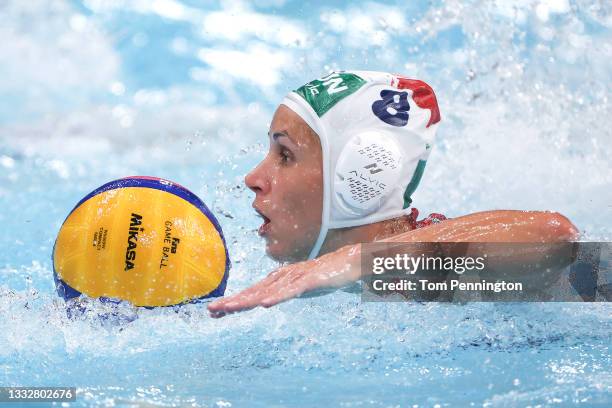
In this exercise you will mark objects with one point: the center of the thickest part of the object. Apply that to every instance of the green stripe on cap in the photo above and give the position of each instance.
(322, 94)
(414, 182)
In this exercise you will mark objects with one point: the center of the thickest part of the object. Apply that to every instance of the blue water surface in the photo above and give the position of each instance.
(92, 91)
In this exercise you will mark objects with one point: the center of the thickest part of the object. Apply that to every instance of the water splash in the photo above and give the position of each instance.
(523, 88)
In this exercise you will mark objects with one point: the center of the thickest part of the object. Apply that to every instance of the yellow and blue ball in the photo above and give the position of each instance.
(145, 240)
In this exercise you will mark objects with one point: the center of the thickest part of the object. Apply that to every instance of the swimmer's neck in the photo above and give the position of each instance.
(339, 237)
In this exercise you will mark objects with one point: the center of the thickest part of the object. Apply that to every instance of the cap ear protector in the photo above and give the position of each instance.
(369, 168)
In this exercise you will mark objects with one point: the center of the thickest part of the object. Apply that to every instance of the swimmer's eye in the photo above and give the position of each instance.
(285, 155)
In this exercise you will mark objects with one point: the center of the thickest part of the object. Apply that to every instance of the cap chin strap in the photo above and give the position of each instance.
(314, 252)
(320, 240)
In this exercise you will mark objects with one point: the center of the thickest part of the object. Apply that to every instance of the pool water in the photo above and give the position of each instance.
(93, 91)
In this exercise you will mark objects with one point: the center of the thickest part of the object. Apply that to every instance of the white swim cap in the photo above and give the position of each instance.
(376, 131)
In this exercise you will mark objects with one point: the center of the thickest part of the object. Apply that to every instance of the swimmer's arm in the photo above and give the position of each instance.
(496, 226)
(537, 264)
(343, 266)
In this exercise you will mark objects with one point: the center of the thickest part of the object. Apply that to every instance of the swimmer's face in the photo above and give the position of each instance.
(288, 186)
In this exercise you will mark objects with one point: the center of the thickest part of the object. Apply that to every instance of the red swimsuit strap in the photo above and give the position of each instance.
(412, 217)
(433, 218)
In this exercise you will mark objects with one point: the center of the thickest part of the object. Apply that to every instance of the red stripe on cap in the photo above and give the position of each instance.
(422, 94)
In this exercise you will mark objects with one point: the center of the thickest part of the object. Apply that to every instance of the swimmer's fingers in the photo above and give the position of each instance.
(304, 282)
(241, 301)
(298, 284)
(233, 304)
(284, 280)
(255, 290)
(246, 299)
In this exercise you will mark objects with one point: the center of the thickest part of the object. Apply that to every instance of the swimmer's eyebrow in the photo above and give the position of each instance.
(276, 135)
(283, 133)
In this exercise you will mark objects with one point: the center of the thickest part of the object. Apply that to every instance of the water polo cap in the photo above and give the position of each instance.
(376, 131)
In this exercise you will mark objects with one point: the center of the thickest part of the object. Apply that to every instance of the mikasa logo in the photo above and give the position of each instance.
(130, 252)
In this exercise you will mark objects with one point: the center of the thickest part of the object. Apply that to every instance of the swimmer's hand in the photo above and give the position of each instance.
(327, 273)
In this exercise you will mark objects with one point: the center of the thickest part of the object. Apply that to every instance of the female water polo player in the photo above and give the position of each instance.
(346, 153)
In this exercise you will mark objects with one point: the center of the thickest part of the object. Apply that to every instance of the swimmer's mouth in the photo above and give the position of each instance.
(265, 227)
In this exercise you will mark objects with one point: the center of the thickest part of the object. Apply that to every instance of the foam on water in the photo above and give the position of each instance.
(88, 98)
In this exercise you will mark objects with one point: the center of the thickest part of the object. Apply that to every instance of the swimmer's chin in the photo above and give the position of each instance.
(276, 254)
(282, 255)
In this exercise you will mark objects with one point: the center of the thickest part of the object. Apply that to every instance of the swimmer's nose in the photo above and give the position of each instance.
(257, 181)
